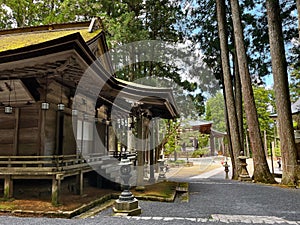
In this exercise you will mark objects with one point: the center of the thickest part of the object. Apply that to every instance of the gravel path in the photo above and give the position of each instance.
(211, 201)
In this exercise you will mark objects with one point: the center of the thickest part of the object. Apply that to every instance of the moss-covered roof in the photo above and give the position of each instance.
(18, 40)
(137, 85)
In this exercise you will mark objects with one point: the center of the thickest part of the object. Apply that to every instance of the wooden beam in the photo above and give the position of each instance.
(8, 187)
(79, 183)
(16, 135)
(56, 186)
(42, 139)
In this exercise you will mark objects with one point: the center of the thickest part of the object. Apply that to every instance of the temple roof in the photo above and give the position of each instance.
(26, 36)
(68, 50)
(295, 109)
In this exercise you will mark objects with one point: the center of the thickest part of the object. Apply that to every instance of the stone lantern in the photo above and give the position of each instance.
(127, 204)
(244, 175)
(162, 174)
(226, 166)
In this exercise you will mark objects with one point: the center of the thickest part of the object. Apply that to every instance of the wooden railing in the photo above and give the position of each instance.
(53, 163)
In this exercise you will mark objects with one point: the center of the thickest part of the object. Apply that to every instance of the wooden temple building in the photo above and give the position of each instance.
(49, 135)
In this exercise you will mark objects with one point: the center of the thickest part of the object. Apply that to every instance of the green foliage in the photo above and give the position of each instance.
(277, 152)
(203, 140)
(124, 21)
(202, 25)
(215, 111)
(264, 101)
(187, 137)
(199, 152)
(172, 144)
(265, 106)
(177, 140)
(295, 81)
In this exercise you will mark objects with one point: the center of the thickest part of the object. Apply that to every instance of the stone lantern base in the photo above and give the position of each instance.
(244, 175)
(127, 208)
(161, 175)
(127, 204)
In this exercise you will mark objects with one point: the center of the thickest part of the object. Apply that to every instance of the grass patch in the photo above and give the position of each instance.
(184, 197)
(179, 162)
(183, 185)
(164, 190)
(7, 205)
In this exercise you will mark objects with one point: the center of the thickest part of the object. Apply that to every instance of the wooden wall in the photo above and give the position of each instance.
(51, 123)
(20, 131)
(100, 138)
(49, 130)
(69, 146)
(7, 133)
(31, 131)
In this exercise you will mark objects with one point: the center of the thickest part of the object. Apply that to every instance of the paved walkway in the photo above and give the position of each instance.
(202, 168)
(212, 167)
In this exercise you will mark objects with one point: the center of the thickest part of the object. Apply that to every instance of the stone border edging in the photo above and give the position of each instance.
(85, 207)
(63, 214)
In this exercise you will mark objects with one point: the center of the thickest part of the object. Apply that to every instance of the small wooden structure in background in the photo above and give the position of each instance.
(205, 127)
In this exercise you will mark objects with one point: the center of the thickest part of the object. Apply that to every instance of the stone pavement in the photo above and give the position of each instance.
(212, 200)
(202, 168)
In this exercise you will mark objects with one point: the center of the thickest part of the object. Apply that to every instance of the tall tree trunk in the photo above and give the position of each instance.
(238, 100)
(234, 172)
(230, 103)
(281, 86)
(298, 10)
(261, 169)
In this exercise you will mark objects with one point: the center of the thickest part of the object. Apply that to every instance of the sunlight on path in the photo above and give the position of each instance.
(201, 167)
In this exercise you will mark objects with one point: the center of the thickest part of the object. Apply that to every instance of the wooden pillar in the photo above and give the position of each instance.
(42, 127)
(151, 156)
(107, 138)
(129, 141)
(100, 138)
(56, 188)
(79, 183)
(212, 145)
(157, 150)
(112, 140)
(140, 153)
(75, 129)
(16, 134)
(8, 187)
(146, 156)
(129, 136)
(60, 133)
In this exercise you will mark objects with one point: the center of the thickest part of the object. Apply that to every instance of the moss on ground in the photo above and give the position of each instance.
(164, 190)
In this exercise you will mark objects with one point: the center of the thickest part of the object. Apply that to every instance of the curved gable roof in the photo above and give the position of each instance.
(72, 55)
(27, 36)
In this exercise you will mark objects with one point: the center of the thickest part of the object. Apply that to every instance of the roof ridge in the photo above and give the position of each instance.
(48, 27)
